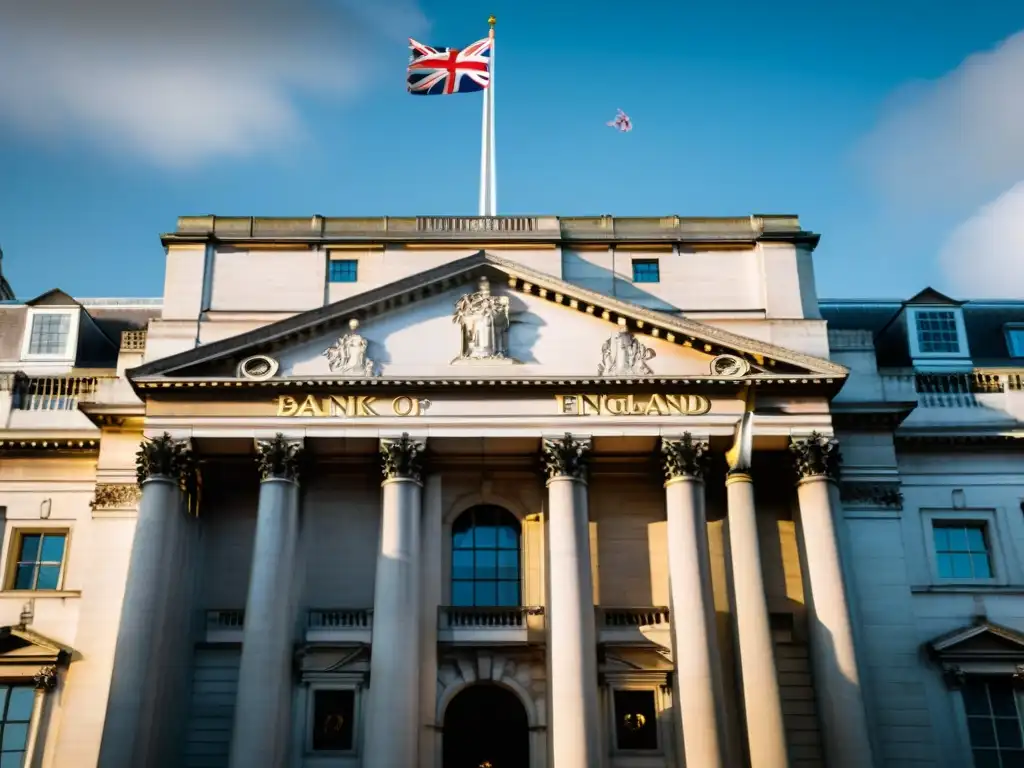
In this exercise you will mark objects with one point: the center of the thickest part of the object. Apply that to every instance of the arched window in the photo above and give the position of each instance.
(485, 557)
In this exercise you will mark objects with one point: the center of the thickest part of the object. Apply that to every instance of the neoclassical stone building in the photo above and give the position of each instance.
(515, 492)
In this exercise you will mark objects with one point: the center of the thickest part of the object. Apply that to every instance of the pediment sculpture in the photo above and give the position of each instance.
(624, 355)
(347, 356)
(484, 320)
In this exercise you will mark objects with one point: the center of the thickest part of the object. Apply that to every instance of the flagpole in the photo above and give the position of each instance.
(488, 175)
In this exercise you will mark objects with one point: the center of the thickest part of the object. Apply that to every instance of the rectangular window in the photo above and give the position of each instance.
(17, 711)
(961, 550)
(646, 271)
(40, 557)
(342, 270)
(636, 720)
(49, 334)
(334, 713)
(994, 723)
(1015, 341)
(937, 332)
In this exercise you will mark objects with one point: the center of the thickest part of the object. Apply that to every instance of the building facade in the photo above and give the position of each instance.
(515, 492)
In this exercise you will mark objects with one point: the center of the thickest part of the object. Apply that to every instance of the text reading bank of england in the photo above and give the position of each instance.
(509, 492)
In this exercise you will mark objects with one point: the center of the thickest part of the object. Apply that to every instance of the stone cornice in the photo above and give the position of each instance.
(402, 458)
(565, 456)
(279, 458)
(684, 457)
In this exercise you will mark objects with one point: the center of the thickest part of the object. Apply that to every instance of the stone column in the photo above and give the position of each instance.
(574, 720)
(766, 732)
(833, 656)
(46, 681)
(262, 727)
(392, 716)
(698, 694)
(164, 467)
(431, 547)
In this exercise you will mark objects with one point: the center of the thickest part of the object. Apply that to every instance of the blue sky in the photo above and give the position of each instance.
(860, 117)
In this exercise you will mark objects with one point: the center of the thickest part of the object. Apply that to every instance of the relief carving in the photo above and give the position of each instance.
(347, 356)
(565, 457)
(279, 458)
(816, 455)
(116, 495)
(402, 458)
(46, 678)
(879, 495)
(484, 320)
(623, 355)
(684, 457)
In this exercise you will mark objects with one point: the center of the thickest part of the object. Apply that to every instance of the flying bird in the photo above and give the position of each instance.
(621, 122)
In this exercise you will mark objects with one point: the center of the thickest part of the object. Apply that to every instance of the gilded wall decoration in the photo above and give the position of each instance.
(109, 495)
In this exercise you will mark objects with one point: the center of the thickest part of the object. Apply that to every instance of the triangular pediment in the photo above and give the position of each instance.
(19, 645)
(408, 329)
(930, 296)
(981, 640)
(54, 297)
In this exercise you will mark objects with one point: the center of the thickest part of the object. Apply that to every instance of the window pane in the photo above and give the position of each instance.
(486, 536)
(333, 715)
(1002, 698)
(508, 593)
(1013, 759)
(49, 577)
(462, 593)
(20, 704)
(945, 563)
(49, 334)
(986, 758)
(485, 593)
(15, 735)
(462, 539)
(981, 732)
(941, 538)
(486, 564)
(508, 538)
(53, 548)
(29, 547)
(24, 577)
(11, 759)
(462, 564)
(636, 722)
(508, 565)
(976, 539)
(981, 567)
(975, 699)
(961, 566)
(957, 539)
(1008, 732)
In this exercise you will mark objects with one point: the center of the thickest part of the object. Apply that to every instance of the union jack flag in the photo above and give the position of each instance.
(435, 71)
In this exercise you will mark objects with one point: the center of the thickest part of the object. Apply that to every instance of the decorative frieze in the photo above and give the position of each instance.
(871, 495)
(165, 457)
(46, 678)
(565, 456)
(684, 457)
(402, 458)
(279, 458)
(816, 455)
(111, 495)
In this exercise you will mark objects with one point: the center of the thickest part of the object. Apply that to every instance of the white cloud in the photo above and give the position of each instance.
(182, 81)
(984, 256)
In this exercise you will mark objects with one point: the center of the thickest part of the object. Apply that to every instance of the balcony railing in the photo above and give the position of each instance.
(225, 625)
(486, 617)
(639, 616)
(52, 393)
(340, 618)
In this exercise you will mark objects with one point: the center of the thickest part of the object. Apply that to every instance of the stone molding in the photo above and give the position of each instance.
(279, 458)
(684, 457)
(111, 495)
(565, 456)
(46, 678)
(871, 495)
(816, 455)
(402, 458)
(165, 457)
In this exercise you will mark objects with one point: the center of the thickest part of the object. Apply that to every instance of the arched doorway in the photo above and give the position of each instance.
(485, 726)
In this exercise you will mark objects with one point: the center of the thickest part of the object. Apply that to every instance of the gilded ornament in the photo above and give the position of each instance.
(565, 457)
(816, 456)
(279, 458)
(402, 458)
(116, 495)
(684, 457)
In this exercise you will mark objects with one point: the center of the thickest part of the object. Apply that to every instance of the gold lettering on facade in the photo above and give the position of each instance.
(286, 405)
(311, 406)
(633, 405)
(406, 406)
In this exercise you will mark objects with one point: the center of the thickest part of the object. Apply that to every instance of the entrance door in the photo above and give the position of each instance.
(485, 726)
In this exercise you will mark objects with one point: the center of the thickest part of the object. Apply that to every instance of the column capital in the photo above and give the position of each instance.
(816, 455)
(46, 678)
(279, 458)
(402, 457)
(565, 456)
(164, 457)
(685, 456)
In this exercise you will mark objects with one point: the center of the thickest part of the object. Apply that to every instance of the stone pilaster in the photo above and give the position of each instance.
(45, 681)
(698, 693)
(262, 727)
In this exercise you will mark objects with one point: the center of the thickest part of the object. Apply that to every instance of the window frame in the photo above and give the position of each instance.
(962, 353)
(986, 518)
(1008, 331)
(5, 705)
(635, 262)
(357, 718)
(451, 579)
(16, 536)
(73, 313)
(355, 270)
(963, 719)
(611, 717)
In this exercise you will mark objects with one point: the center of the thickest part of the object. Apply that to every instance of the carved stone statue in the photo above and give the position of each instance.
(624, 355)
(347, 356)
(485, 323)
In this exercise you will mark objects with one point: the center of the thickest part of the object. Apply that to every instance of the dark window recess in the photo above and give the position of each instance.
(485, 558)
(646, 271)
(342, 270)
(994, 723)
(636, 721)
(333, 716)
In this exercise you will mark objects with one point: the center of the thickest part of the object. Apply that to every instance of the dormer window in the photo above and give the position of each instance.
(937, 332)
(50, 334)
